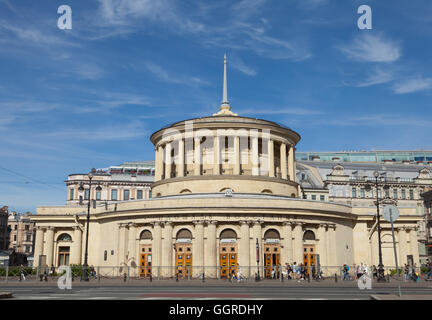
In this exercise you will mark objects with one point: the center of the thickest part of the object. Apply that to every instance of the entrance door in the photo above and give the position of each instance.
(309, 257)
(228, 259)
(145, 260)
(272, 260)
(63, 256)
(184, 259)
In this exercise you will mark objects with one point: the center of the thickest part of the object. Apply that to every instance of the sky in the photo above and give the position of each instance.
(91, 96)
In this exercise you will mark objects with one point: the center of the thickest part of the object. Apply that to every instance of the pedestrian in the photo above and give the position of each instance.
(52, 271)
(345, 272)
(406, 272)
(360, 271)
(294, 271)
(22, 274)
(374, 272)
(313, 272)
(429, 270)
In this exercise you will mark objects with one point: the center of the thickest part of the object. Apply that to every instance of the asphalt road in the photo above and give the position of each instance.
(220, 292)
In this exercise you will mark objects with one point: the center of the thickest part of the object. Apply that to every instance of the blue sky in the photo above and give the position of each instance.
(90, 97)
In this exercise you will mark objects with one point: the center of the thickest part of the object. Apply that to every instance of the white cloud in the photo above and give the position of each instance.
(377, 76)
(89, 71)
(165, 76)
(412, 85)
(237, 63)
(372, 48)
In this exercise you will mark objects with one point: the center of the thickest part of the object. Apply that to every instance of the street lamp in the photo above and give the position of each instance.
(257, 278)
(380, 275)
(85, 265)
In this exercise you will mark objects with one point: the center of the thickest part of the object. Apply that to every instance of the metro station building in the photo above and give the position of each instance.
(226, 194)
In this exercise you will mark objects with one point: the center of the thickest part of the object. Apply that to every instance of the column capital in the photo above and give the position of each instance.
(288, 222)
(198, 222)
(49, 228)
(167, 223)
(243, 222)
(258, 222)
(40, 228)
(156, 224)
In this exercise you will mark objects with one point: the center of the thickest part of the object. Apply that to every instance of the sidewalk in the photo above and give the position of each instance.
(214, 282)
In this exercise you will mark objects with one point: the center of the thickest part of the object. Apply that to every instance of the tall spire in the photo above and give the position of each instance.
(225, 87)
(225, 108)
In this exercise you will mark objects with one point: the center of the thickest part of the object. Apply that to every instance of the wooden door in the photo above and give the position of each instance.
(145, 260)
(271, 260)
(309, 257)
(228, 260)
(184, 260)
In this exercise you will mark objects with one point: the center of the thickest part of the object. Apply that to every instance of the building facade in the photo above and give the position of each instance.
(22, 232)
(225, 195)
(427, 197)
(4, 233)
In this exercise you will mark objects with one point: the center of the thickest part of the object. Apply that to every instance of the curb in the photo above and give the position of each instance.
(374, 297)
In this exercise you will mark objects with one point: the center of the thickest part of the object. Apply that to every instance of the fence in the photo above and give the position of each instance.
(181, 273)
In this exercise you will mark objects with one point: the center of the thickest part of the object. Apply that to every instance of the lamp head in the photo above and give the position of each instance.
(376, 174)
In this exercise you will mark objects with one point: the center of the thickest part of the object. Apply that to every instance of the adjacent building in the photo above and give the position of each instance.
(22, 233)
(427, 197)
(4, 234)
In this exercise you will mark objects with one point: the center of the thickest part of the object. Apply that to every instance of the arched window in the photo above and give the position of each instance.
(185, 191)
(225, 189)
(267, 191)
(64, 237)
(228, 234)
(145, 235)
(184, 234)
(271, 234)
(309, 235)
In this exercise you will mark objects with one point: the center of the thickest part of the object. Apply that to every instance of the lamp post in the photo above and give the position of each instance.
(257, 278)
(85, 265)
(380, 275)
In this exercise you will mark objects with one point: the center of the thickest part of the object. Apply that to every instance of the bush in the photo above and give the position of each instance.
(393, 272)
(16, 271)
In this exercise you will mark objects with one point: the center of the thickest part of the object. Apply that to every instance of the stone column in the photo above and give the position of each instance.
(271, 158)
(39, 245)
(332, 259)
(158, 163)
(77, 245)
(244, 248)
(237, 155)
(168, 165)
(403, 246)
(255, 159)
(156, 248)
(167, 250)
(198, 249)
(181, 158)
(287, 255)
(133, 260)
(298, 242)
(414, 248)
(121, 245)
(49, 246)
(211, 250)
(291, 164)
(283, 158)
(257, 234)
(322, 245)
(216, 153)
(197, 156)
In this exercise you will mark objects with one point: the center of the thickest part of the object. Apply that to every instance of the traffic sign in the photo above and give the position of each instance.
(390, 213)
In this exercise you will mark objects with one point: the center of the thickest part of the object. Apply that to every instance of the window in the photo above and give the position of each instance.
(362, 193)
(14, 237)
(150, 193)
(98, 195)
(379, 193)
(71, 194)
(126, 195)
(387, 193)
(395, 193)
(403, 194)
(27, 249)
(87, 194)
(370, 193)
(27, 227)
(28, 237)
(139, 194)
(313, 197)
(15, 227)
(354, 192)
(411, 194)
(322, 198)
(114, 194)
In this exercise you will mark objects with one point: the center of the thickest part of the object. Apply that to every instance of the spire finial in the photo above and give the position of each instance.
(225, 108)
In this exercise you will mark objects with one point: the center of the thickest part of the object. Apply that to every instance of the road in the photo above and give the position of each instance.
(225, 291)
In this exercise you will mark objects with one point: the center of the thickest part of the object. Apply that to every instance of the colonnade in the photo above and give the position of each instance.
(164, 156)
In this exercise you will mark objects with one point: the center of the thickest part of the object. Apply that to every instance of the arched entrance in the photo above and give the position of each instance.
(63, 242)
(272, 253)
(145, 253)
(228, 255)
(183, 248)
(309, 251)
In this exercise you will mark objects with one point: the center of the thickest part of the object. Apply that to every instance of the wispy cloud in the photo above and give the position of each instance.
(237, 63)
(412, 85)
(369, 47)
(281, 111)
(377, 76)
(165, 76)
